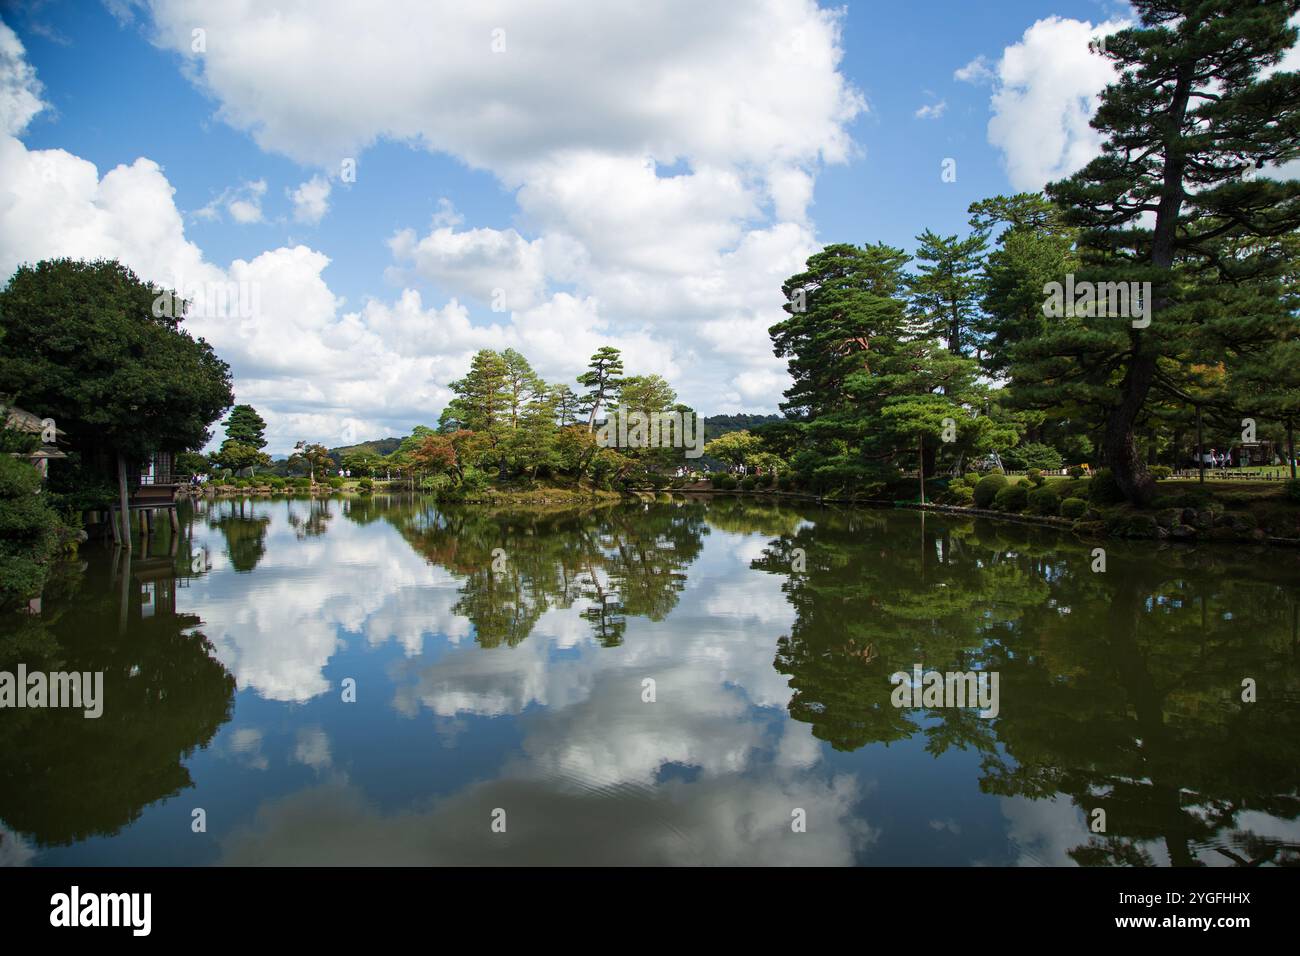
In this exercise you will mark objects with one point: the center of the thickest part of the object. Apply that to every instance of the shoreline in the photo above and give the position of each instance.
(1212, 524)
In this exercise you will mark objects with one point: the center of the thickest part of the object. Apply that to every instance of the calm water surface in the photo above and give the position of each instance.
(521, 689)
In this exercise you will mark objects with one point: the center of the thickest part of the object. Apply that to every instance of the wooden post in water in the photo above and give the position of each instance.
(124, 591)
(123, 501)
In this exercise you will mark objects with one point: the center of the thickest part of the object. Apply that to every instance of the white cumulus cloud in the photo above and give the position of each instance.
(311, 200)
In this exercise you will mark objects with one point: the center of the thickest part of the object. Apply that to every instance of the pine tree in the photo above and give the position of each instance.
(1188, 117)
(601, 380)
(1034, 247)
(246, 426)
(523, 385)
(483, 402)
(946, 288)
(845, 309)
(1264, 377)
(567, 405)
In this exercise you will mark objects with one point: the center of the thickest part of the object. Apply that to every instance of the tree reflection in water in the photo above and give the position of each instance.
(1120, 690)
(64, 778)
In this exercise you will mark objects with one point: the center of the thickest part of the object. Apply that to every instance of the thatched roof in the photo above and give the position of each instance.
(25, 421)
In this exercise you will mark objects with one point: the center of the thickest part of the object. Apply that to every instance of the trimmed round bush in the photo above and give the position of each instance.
(785, 482)
(367, 484)
(961, 495)
(1043, 501)
(748, 483)
(987, 489)
(765, 480)
(1073, 508)
(725, 482)
(972, 478)
(1160, 472)
(1075, 471)
(336, 482)
(1011, 498)
(1104, 489)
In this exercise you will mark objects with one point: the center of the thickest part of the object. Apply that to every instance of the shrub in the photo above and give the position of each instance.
(765, 480)
(785, 482)
(748, 483)
(1160, 472)
(1076, 471)
(972, 478)
(367, 484)
(1011, 498)
(961, 495)
(1036, 477)
(473, 481)
(1043, 501)
(30, 533)
(725, 482)
(1292, 489)
(302, 482)
(275, 481)
(1104, 489)
(1073, 508)
(987, 489)
(335, 482)
(1032, 455)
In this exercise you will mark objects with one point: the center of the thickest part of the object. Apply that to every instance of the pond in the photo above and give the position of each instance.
(389, 681)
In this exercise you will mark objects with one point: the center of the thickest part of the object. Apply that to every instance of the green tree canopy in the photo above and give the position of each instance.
(83, 346)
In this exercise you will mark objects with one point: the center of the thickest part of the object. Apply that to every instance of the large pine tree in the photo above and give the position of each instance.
(1189, 119)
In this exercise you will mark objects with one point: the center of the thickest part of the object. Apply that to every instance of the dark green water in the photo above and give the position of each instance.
(519, 693)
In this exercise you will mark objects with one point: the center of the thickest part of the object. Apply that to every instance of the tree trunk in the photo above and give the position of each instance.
(921, 465)
(1120, 448)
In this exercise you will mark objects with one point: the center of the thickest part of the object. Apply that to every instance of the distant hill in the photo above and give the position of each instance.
(718, 425)
(379, 446)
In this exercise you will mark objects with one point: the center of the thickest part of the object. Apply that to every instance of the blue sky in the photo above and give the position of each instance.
(639, 177)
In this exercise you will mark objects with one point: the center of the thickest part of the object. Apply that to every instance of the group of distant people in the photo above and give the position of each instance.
(1223, 459)
(1213, 459)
